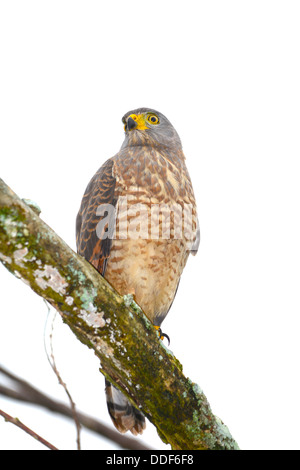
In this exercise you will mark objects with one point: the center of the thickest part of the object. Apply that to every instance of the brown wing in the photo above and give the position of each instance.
(93, 238)
(196, 243)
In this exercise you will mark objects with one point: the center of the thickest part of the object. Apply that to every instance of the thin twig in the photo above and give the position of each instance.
(52, 362)
(29, 431)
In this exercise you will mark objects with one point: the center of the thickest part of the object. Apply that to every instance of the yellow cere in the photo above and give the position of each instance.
(140, 120)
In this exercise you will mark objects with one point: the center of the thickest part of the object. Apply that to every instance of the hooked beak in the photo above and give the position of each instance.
(131, 123)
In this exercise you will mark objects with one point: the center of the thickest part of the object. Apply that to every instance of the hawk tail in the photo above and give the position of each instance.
(123, 414)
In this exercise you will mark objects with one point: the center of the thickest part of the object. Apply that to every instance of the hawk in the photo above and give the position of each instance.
(137, 225)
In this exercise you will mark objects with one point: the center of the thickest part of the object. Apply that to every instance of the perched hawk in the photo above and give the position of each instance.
(137, 225)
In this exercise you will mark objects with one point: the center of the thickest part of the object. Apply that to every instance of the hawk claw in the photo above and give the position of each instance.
(162, 335)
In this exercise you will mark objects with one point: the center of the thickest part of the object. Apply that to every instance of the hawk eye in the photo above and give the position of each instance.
(153, 119)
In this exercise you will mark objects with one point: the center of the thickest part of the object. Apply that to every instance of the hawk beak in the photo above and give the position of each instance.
(131, 123)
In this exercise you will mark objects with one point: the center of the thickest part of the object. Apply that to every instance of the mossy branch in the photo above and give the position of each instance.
(125, 341)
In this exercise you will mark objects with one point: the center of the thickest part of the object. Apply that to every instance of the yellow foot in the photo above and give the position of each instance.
(162, 335)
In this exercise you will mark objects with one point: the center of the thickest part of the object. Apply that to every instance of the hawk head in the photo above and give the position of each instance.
(145, 126)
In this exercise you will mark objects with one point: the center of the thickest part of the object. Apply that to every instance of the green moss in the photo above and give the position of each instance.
(87, 298)
(76, 273)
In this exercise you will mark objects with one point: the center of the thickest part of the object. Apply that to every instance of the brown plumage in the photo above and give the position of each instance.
(137, 225)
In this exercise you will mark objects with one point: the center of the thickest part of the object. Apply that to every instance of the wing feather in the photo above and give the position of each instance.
(92, 238)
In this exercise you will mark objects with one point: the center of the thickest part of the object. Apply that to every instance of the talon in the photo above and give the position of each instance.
(162, 335)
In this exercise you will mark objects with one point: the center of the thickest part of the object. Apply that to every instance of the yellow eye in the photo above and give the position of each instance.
(153, 119)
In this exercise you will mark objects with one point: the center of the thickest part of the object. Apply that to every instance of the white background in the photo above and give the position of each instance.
(227, 75)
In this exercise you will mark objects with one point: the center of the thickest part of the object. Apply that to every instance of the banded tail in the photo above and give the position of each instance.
(123, 414)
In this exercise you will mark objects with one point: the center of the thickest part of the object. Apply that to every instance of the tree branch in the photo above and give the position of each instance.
(122, 337)
(23, 391)
(29, 431)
